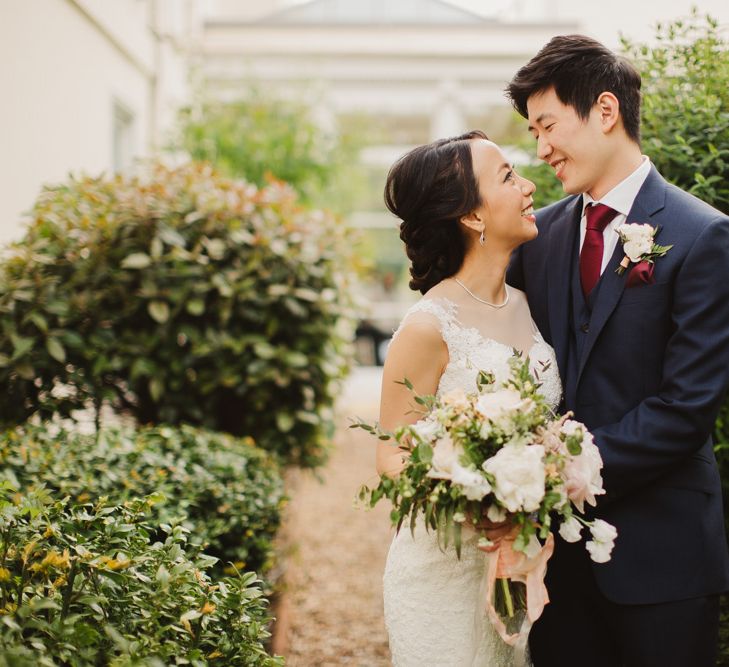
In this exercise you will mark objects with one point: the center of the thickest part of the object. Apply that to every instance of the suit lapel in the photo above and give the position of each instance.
(561, 246)
(650, 199)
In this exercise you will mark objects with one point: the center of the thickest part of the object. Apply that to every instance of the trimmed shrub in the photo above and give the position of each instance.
(182, 297)
(225, 491)
(84, 586)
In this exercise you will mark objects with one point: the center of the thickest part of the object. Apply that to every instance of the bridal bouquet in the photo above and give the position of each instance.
(498, 454)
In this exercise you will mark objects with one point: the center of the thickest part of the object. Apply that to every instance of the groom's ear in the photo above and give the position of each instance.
(609, 109)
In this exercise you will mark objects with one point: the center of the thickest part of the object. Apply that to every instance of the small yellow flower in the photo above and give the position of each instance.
(83, 497)
(207, 608)
(9, 608)
(4, 574)
(49, 531)
(28, 549)
(53, 560)
(215, 654)
(114, 564)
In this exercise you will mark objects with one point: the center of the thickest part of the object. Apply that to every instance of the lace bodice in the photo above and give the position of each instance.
(435, 602)
(470, 351)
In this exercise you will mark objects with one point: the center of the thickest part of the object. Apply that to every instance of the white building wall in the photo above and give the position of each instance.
(65, 64)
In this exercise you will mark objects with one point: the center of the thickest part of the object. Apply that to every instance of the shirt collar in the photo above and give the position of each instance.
(622, 196)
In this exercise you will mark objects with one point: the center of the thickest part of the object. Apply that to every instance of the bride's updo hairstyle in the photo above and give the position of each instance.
(430, 189)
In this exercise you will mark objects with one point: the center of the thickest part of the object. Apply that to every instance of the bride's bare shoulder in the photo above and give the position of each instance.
(444, 290)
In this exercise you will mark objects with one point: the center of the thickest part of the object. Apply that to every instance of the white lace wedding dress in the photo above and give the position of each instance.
(434, 604)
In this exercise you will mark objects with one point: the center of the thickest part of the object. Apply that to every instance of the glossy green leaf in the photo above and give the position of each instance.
(56, 350)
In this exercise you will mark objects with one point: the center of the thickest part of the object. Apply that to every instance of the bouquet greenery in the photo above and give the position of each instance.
(498, 455)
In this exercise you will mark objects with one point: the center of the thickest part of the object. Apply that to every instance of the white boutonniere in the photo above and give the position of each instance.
(639, 244)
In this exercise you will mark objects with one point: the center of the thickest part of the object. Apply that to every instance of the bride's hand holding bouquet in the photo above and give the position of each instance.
(498, 462)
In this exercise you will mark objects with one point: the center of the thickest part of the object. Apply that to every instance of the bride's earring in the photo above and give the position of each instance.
(482, 238)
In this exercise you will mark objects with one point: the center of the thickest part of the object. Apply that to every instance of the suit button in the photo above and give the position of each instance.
(585, 328)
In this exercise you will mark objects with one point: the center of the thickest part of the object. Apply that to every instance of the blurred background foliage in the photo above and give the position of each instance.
(260, 137)
(685, 121)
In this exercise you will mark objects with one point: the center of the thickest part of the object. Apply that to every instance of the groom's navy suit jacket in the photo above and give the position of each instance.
(645, 369)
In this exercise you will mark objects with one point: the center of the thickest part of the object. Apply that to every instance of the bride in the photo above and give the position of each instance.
(463, 210)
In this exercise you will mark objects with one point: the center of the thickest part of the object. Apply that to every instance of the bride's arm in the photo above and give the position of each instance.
(419, 354)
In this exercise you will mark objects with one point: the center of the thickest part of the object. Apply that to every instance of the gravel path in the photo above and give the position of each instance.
(336, 552)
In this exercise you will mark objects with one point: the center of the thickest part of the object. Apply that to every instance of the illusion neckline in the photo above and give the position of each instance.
(536, 334)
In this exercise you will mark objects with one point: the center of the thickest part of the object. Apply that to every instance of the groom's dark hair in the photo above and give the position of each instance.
(579, 69)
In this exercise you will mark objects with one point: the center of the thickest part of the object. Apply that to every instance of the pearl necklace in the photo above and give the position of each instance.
(483, 301)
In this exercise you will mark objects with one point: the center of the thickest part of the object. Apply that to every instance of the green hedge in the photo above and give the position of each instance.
(85, 586)
(685, 119)
(179, 297)
(224, 490)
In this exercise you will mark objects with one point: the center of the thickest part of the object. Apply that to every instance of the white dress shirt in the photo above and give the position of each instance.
(620, 199)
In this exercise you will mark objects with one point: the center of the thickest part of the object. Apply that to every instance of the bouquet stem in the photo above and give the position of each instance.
(507, 597)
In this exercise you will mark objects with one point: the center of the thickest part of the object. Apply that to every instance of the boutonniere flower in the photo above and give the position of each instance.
(639, 244)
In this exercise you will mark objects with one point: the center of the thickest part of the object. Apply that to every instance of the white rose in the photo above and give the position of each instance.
(496, 514)
(426, 429)
(637, 240)
(645, 230)
(570, 530)
(475, 486)
(632, 231)
(519, 477)
(495, 404)
(445, 455)
(637, 248)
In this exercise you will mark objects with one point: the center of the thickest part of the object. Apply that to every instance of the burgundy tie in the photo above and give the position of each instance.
(598, 217)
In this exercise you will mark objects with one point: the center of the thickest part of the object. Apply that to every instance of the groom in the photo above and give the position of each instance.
(644, 360)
